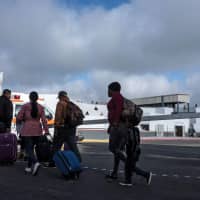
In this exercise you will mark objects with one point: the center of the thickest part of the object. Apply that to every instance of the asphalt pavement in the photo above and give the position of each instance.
(175, 167)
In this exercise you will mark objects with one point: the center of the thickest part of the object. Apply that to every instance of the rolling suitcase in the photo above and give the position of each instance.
(68, 163)
(44, 150)
(8, 148)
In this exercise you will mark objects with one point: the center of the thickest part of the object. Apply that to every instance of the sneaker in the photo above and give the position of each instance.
(36, 168)
(149, 177)
(126, 183)
(28, 170)
(111, 176)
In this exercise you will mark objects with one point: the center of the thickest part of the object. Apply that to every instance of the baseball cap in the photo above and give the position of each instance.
(62, 93)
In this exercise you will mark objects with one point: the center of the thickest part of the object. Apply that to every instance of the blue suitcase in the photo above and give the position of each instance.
(68, 163)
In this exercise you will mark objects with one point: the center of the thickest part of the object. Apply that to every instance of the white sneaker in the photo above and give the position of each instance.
(149, 177)
(126, 183)
(28, 170)
(36, 168)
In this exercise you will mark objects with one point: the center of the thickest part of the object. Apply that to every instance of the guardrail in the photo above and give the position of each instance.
(152, 118)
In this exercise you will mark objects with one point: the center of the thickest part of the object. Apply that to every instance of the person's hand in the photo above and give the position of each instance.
(49, 137)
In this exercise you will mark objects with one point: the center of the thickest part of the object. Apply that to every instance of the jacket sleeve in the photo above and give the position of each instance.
(59, 115)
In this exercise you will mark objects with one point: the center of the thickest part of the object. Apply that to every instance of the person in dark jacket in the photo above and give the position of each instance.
(117, 129)
(6, 111)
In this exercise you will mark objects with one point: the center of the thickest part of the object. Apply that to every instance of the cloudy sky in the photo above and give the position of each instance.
(150, 47)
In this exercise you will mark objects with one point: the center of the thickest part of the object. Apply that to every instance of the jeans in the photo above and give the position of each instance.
(30, 142)
(117, 141)
(66, 135)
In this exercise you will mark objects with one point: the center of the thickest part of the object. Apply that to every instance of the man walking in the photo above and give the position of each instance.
(117, 129)
(6, 111)
(123, 135)
(64, 133)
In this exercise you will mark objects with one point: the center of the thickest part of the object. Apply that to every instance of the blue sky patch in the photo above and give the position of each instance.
(176, 75)
(107, 4)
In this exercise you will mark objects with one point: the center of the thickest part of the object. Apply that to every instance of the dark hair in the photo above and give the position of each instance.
(34, 109)
(6, 91)
(62, 93)
(114, 86)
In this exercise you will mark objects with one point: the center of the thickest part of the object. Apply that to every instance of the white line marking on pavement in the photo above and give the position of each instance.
(122, 171)
(154, 174)
(164, 175)
(187, 176)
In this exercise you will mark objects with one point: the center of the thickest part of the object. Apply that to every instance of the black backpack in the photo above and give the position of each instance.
(131, 113)
(134, 142)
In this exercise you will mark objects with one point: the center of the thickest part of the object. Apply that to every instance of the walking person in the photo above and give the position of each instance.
(34, 124)
(133, 152)
(6, 111)
(117, 128)
(64, 131)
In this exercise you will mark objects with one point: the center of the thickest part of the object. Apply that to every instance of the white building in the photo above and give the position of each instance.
(159, 105)
(166, 105)
(151, 106)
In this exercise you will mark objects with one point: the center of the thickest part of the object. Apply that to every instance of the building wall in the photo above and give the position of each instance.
(196, 122)
(164, 126)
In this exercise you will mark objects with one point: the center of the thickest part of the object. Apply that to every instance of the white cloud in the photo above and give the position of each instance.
(134, 86)
(43, 46)
(192, 84)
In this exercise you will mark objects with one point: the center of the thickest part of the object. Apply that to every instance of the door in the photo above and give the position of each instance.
(179, 131)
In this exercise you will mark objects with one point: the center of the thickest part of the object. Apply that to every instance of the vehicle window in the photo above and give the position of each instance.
(17, 109)
(48, 114)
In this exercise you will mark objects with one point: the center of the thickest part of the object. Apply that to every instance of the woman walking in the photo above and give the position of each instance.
(34, 124)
